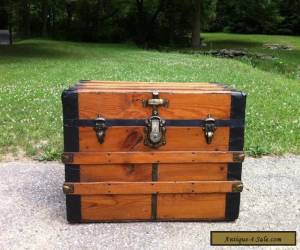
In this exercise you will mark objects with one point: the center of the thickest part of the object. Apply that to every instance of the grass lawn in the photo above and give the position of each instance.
(288, 62)
(33, 74)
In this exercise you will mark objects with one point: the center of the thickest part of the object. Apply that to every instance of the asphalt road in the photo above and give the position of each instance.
(32, 211)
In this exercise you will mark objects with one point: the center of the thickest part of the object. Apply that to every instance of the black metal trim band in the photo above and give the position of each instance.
(73, 202)
(70, 112)
(154, 196)
(234, 171)
(72, 173)
(73, 208)
(232, 206)
(232, 123)
(236, 143)
(238, 106)
(71, 144)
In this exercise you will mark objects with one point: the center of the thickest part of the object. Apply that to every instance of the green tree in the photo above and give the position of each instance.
(248, 16)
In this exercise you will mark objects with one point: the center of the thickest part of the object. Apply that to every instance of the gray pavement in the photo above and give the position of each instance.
(32, 211)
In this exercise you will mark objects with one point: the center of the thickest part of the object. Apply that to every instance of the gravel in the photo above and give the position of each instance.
(32, 211)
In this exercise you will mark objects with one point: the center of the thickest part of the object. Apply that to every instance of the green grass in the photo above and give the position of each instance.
(288, 63)
(33, 74)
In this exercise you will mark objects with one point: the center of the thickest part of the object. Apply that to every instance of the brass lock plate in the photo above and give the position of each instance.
(155, 132)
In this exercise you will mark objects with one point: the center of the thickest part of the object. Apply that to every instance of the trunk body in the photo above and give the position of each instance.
(116, 170)
(196, 42)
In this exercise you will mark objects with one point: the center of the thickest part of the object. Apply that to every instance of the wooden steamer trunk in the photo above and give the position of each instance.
(152, 151)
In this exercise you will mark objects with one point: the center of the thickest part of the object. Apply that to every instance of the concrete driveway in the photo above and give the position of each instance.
(32, 211)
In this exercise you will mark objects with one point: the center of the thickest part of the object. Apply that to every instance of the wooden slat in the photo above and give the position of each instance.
(193, 172)
(143, 172)
(115, 207)
(162, 91)
(191, 206)
(181, 106)
(152, 157)
(113, 172)
(166, 187)
(133, 88)
(153, 85)
(157, 84)
(137, 85)
(132, 139)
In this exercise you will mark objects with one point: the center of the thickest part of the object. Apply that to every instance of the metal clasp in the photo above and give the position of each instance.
(100, 128)
(155, 101)
(209, 128)
(155, 132)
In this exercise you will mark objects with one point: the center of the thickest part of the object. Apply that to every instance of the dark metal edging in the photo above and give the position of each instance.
(154, 196)
(71, 143)
(236, 143)
(232, 123)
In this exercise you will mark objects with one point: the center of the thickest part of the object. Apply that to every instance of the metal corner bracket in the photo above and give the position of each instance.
(67, 158)
(238, 157)
(237, 188)
(68, 188)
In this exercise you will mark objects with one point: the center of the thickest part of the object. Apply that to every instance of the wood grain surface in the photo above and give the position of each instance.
(143, 172)
(129, 105)
(155, 157)
(115, 207)
(116, 172)
(132, 139)
(151, 187)
(192, 172)
(191, 206)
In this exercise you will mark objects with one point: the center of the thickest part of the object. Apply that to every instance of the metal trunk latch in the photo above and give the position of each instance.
(100, 128)
(155, 130)
(155, 102)
(209, 128)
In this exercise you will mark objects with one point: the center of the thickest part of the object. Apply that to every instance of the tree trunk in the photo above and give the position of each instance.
(52, 22)
(25, 24)
(141, 23)
(45, 18)
(171, 22)
(151, 27)
(69, 13)
(9, 21)
(196, 42)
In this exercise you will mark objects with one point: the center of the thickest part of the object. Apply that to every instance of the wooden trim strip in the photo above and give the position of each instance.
(116, 84)
(166, 91)
(204, 88)
(157, 83)
(101, 84)
(152, 187)
(152, 157)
